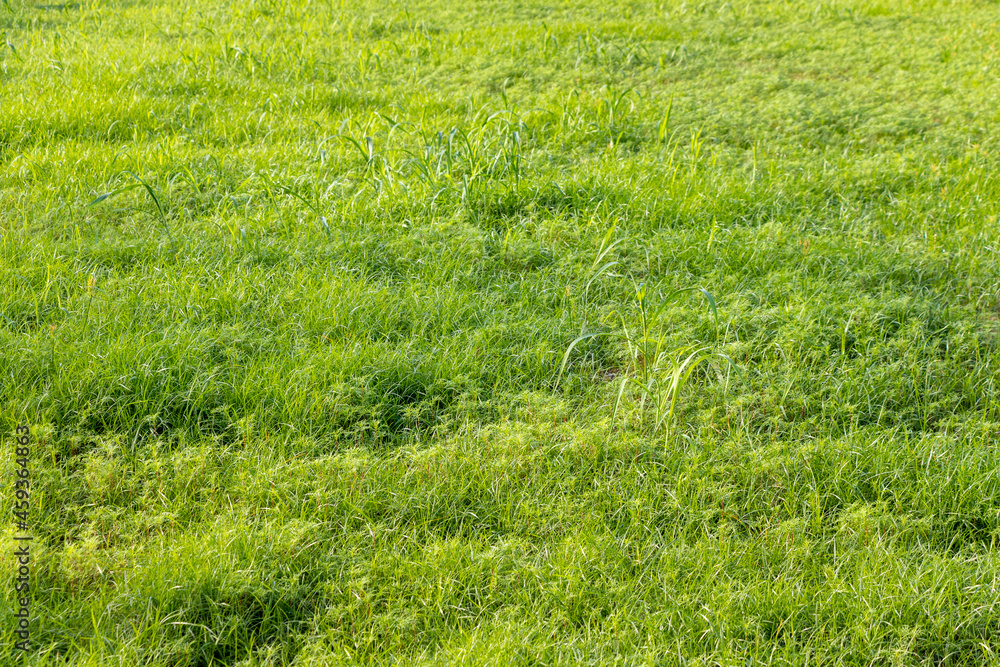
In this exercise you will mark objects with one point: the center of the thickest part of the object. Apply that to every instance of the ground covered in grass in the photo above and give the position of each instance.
(286, 287)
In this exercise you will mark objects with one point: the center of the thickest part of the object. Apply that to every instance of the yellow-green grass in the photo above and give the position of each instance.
(286, 287)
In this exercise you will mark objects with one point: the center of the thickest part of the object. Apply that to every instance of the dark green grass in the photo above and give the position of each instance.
(292, 384)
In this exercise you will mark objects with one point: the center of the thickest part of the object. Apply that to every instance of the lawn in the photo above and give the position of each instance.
(501, 332)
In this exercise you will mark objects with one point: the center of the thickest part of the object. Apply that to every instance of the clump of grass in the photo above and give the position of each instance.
(656, 370)
(139, 183)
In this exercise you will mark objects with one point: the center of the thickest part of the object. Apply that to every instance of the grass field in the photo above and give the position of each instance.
(286, 289)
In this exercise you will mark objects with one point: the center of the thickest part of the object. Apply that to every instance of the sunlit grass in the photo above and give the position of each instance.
(287, 291)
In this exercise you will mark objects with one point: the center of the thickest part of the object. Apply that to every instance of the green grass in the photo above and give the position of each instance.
(293, 382)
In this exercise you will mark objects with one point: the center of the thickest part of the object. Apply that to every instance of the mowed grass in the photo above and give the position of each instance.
(293, 383)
